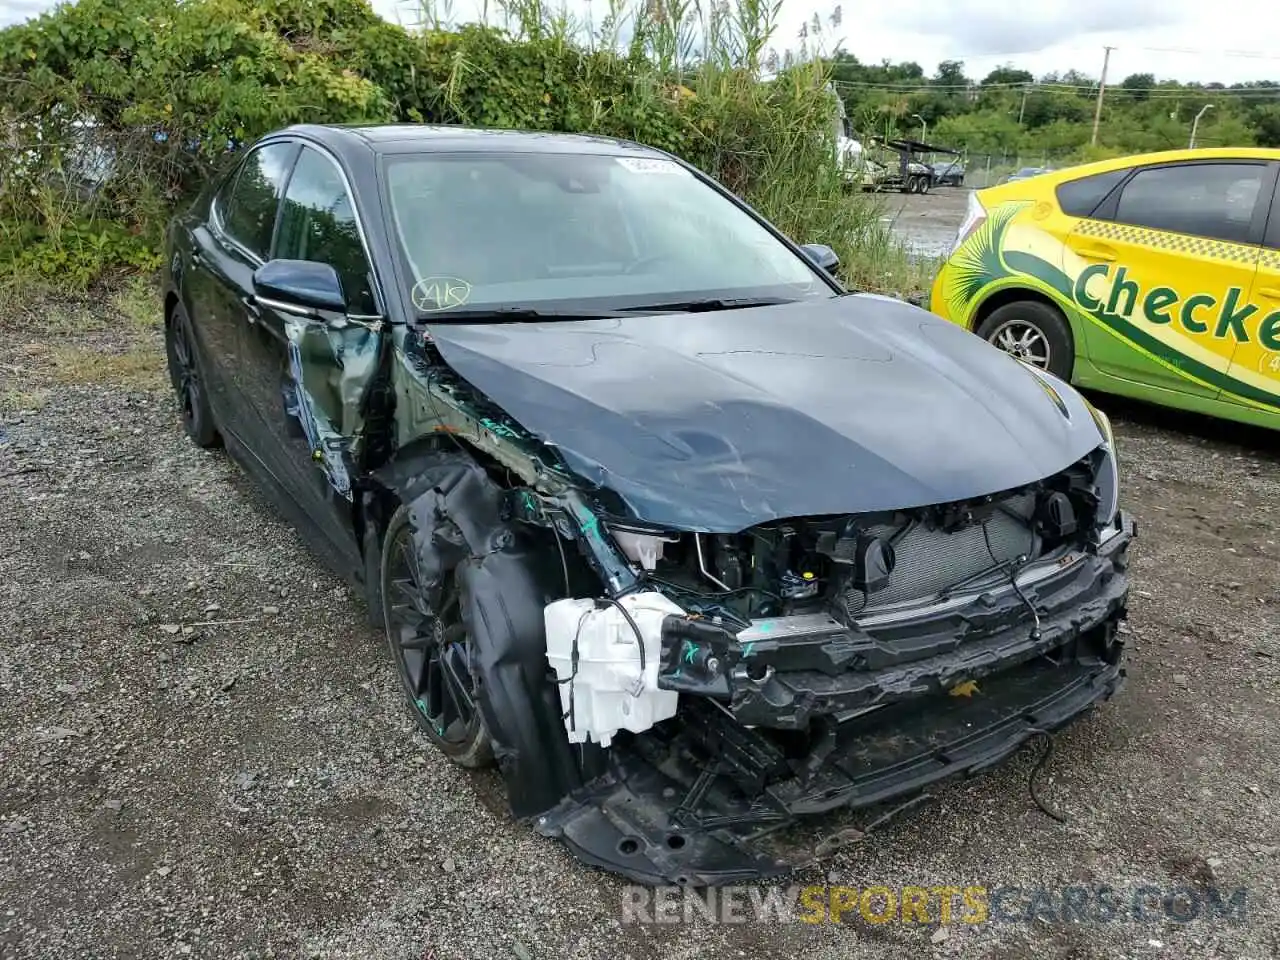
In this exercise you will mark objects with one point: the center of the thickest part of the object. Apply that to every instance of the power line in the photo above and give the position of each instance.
(1228, 54)
(1055, 87)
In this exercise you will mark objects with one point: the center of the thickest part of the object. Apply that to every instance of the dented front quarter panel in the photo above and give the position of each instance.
(331, 368)
(458, 524)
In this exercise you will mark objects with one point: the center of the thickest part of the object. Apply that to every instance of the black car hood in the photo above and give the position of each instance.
(719, 421)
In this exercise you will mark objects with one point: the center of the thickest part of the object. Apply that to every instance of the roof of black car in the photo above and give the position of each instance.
(414, 138)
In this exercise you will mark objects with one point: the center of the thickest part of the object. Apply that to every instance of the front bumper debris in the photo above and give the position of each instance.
(702, 800)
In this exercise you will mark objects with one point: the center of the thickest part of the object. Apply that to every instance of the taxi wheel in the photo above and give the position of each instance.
(1033, 332)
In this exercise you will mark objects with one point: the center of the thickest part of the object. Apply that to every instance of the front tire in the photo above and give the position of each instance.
(185, 374)
(431, 649)
(1033, 332)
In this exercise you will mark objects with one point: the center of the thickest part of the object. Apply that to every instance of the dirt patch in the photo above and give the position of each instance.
(253, 787)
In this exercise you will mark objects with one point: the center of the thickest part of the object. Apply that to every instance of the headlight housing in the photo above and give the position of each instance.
(974, 215)
(1104, 425)
(1107, 476)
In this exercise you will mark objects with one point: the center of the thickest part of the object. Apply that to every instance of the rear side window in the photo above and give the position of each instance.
(1079, 198)
(248, 212)
(1214, 200)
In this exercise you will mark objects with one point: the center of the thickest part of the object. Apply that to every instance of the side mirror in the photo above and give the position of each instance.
(822, 255)
(301, 287)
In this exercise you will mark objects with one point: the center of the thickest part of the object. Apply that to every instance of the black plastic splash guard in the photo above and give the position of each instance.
(707, 803)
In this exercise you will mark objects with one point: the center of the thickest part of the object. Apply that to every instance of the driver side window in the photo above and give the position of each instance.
(318, 223)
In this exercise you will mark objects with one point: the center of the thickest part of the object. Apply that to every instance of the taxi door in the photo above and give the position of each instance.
(1255, 366)
(1166, 266)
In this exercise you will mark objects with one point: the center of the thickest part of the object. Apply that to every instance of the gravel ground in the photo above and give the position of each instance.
(203, 751)
(926, 223)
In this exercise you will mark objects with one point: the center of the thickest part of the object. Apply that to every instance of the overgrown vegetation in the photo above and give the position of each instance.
(1010, 112)
(116, 110)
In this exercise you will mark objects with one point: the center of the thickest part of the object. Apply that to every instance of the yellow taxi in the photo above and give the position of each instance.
(1153, 276)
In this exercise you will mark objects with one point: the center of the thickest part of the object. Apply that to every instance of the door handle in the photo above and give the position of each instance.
(1271, 293)
(252, 309)
(1105, 254)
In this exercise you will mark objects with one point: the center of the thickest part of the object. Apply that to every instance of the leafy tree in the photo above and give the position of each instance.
(1138, 85)
(1008, 76)
(1266, 121)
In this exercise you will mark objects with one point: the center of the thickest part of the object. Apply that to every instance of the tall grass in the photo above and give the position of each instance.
(766, 131)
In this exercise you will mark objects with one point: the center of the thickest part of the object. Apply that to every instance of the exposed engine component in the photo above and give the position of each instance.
(930, 558)
(644, 549)
(606, 657)
(845, 567)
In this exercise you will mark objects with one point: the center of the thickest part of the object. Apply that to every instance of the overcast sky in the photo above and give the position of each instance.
(1203, 40)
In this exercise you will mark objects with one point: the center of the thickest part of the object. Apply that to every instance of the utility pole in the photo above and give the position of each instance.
(1195, 124)
(1102, 86)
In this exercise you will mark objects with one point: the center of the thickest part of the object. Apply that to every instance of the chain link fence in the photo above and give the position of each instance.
(981, 170)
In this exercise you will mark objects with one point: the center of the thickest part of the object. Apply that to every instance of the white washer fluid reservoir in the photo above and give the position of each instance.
(609, 691)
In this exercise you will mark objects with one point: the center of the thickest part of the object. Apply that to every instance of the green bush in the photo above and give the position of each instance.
(163, 87)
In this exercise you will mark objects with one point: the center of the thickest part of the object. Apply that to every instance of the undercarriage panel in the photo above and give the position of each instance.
(665, 814)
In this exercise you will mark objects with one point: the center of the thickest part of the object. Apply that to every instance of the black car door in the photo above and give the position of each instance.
(227, 248)
(305, 376)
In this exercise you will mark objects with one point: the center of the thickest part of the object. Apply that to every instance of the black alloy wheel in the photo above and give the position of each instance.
(431, 650)
(188, 384)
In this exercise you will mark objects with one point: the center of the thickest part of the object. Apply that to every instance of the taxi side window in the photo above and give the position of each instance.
(1215, 200)
(1079, 198)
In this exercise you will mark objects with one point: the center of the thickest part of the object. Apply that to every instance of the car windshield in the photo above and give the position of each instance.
(579, 232)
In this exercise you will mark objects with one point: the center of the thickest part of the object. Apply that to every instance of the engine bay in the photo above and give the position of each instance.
(851, 565)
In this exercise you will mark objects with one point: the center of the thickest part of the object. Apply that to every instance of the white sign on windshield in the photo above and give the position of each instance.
(648, 165)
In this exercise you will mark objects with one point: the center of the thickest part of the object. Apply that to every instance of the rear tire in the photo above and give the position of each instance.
(925, 184)
(1032, 331)
(431, 650)
(186, 375)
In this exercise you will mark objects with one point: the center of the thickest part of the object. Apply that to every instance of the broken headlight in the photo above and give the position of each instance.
(1107, 477)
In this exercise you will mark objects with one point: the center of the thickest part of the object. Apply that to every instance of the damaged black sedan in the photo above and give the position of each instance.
(687, 539)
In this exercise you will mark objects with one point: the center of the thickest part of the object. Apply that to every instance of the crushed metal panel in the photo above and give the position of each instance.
(457, 516)
(331, 365)
(746, 416)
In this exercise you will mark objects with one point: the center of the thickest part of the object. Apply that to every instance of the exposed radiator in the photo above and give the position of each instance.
(930, 560)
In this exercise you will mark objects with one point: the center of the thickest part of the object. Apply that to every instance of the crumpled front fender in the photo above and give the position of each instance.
(456, 514)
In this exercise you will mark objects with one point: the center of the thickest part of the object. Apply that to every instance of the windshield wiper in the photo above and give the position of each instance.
(707, 305)
(520, 314)
(512, 315)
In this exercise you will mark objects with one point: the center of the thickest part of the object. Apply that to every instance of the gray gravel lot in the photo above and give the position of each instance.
(203, 751)
(926, 223)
